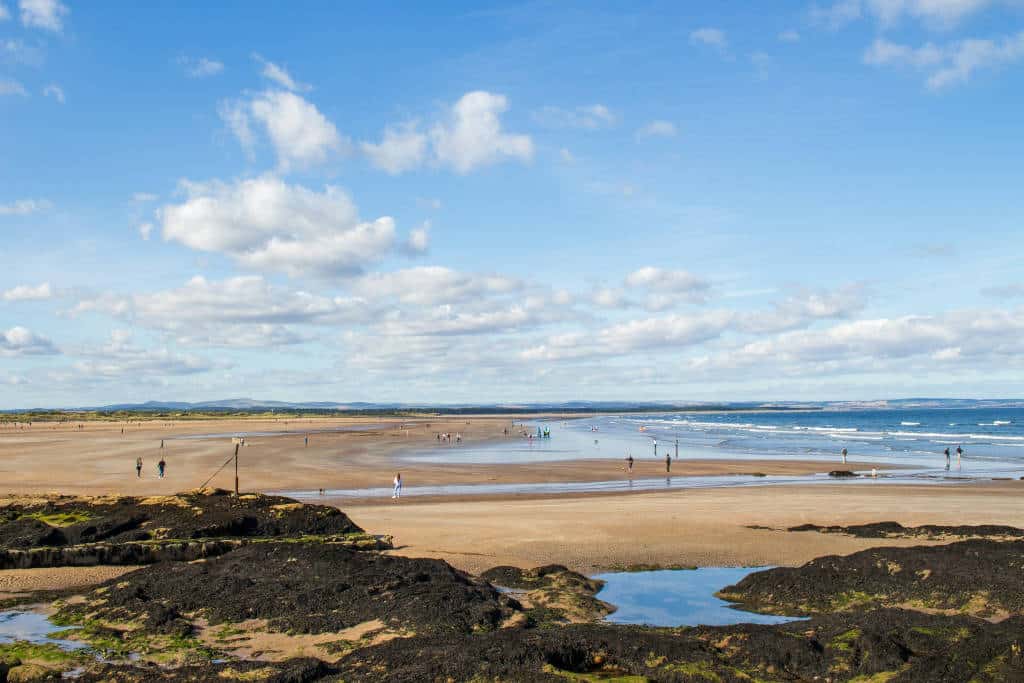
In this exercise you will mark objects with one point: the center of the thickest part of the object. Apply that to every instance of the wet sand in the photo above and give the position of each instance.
(699, 527)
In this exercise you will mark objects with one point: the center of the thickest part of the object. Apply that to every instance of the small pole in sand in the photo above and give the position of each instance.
(236, 469)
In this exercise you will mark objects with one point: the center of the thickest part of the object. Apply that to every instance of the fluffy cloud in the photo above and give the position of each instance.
(590, 117)
(55, 91)
(24, 207)
(278, 74)
(300, 134)
(267, 224)
(11, 87)
(29, 293)
(119, 358)
(433, 285)
(951, 64)
(402, 149)
(19, 341)
(238, 311)
(679, 283)
(472, 135)
(201, 67)
(657, 128)
(44, 14)
(934, 13)
(673, 331)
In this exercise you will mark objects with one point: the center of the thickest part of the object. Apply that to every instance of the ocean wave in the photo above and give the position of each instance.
(910, 424)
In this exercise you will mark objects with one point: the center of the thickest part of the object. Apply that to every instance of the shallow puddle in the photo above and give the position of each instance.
(678, 597)
(35, 628)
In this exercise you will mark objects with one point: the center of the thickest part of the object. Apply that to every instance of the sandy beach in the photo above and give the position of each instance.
(585, 532)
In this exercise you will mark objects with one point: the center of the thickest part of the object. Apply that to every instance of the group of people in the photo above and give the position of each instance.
(630, 462)
(959, 456)
(447, 437)
(161, 467)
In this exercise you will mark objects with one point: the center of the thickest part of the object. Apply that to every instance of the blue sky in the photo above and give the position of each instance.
(510, 201)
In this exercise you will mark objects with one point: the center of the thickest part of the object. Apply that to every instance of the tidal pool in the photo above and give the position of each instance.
(35, 628)
(678, 597)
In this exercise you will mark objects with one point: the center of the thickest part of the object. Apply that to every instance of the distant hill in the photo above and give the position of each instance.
(578, 406)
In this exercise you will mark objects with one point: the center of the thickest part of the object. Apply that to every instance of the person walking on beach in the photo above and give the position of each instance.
(668, 462)
(959, 453)
(397, 492)
(161, 444)
(306, 441)
(138, 468)
(947, 458)
(844, 456)
(629, 463)
(160, 467)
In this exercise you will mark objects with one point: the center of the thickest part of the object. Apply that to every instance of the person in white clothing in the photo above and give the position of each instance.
(397, 492)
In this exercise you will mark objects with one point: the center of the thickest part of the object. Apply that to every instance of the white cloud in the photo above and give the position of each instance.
(11, 87)
(679, 283)
(29, 293)
(419, 239)
(17, 52)
(44, 14)
(201, 67)
(266, 224)
(300, 134)
(657, 128)
(709, 36)
(608, 297)
(278, 74)
(238, 311)
(951, 64)
(789, 36)
(55, 91)
(24, 207)
(940, 13)
(145, 230)
(18, 341)
(473, 137)
(836, 15)
(120, 358)
(433, 285)
(591, 117)
(402, 148)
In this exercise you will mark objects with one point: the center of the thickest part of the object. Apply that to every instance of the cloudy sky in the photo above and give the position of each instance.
(510, 201)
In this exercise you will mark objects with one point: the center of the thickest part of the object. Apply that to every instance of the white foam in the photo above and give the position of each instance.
(910, 424)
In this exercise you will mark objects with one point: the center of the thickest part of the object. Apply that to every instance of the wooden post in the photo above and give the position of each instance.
(236, 469)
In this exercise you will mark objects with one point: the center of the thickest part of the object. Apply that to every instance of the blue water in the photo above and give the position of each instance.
(35, 628)
(992, 439)
(677, 598)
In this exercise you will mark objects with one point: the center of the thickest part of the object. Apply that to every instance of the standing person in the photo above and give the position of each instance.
(959, 453)
(947, 457)
(629, 463)
(138, 468)
(397, 492)
(160, 467)
(668, 462)
(306, 441)
(844, 455)
(161, 444)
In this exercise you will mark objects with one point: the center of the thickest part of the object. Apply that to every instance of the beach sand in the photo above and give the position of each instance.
(586, 532)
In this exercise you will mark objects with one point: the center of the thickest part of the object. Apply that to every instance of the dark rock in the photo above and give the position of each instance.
(897, 530)
(842, 474)
(303, 588)
(980, 577)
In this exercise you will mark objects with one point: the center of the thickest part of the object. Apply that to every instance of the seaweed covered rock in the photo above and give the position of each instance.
(885, 645)
(927, 531)
(553, 593)
(213, 513)
(301, 588)
(980, 577)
